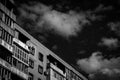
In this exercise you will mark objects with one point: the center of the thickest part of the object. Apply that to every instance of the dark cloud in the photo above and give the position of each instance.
(115, 27)
(101, 7)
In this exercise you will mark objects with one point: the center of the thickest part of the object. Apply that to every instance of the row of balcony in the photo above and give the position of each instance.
(17, 41)
(13, 69)
(7, 65)
(5, 27)
(20, 43)
(8, 12)
(57, 69)
(9, 47)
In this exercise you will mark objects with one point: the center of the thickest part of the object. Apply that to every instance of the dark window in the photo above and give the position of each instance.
(1, 15)
(31, 63)
(14, 62)
(39, 79)
(7, 20)
(40, 69)
(26, 69)
(3, 1)
(6, 36)
(40, 55)
(16, 33)
(30, 76)
(0, 32)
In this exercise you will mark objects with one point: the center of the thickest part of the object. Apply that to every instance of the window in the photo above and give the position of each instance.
(21, 54)
(3, 1)
(14, 62)
(68, 74)
(0, 32)
(5, 18)
(30, 76)
(8, 21)
(6, 36)
(40, 69)
(1, 15)
(79, 79)
(16, 33)
(26, 69)
(40, 55)
(57, 75)
(39, 79)
(31, 63)
(4, 74)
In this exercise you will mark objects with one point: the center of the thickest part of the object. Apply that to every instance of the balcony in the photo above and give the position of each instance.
(5, 27)
(20, 43)
(56, 65)
(5, 64)
(13, 69)
(6, 45)
(8, 12)
(20, 73)
(57, 69)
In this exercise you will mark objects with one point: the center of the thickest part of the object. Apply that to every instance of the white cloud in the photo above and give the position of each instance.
(64, 24)
(96, 63)
(109, 42)
(91, 64)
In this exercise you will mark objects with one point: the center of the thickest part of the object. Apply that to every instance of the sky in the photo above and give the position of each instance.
(85, 33)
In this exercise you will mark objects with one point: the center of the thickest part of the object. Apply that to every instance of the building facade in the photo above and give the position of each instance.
(22, 57)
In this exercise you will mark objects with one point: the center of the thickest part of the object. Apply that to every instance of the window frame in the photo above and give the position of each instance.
(0, 31)
(40, 56)
(39, 79)
(31, 76)
(31, 63)
(40, 69)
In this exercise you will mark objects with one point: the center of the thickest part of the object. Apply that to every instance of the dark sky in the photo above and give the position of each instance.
(85, 33)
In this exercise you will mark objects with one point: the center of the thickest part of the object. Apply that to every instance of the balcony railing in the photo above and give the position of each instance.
(6, 45)
(27, 64)
(20, 73)
(5, 64)
(13, 69)
(57, 69)
(7, 11)
(23, 45)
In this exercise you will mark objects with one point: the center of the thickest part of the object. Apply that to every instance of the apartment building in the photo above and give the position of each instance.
(14, 59)
(22, 57)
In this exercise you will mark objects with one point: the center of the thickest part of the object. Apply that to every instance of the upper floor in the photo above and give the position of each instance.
(7, 6)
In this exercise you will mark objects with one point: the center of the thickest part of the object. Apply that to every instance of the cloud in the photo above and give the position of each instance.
(91, 64)
(82, 52)
(101, 7)
(109, 42)
(115, 26)
(64, 24)
(95, 14)
(97, 64)
(101, 76)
